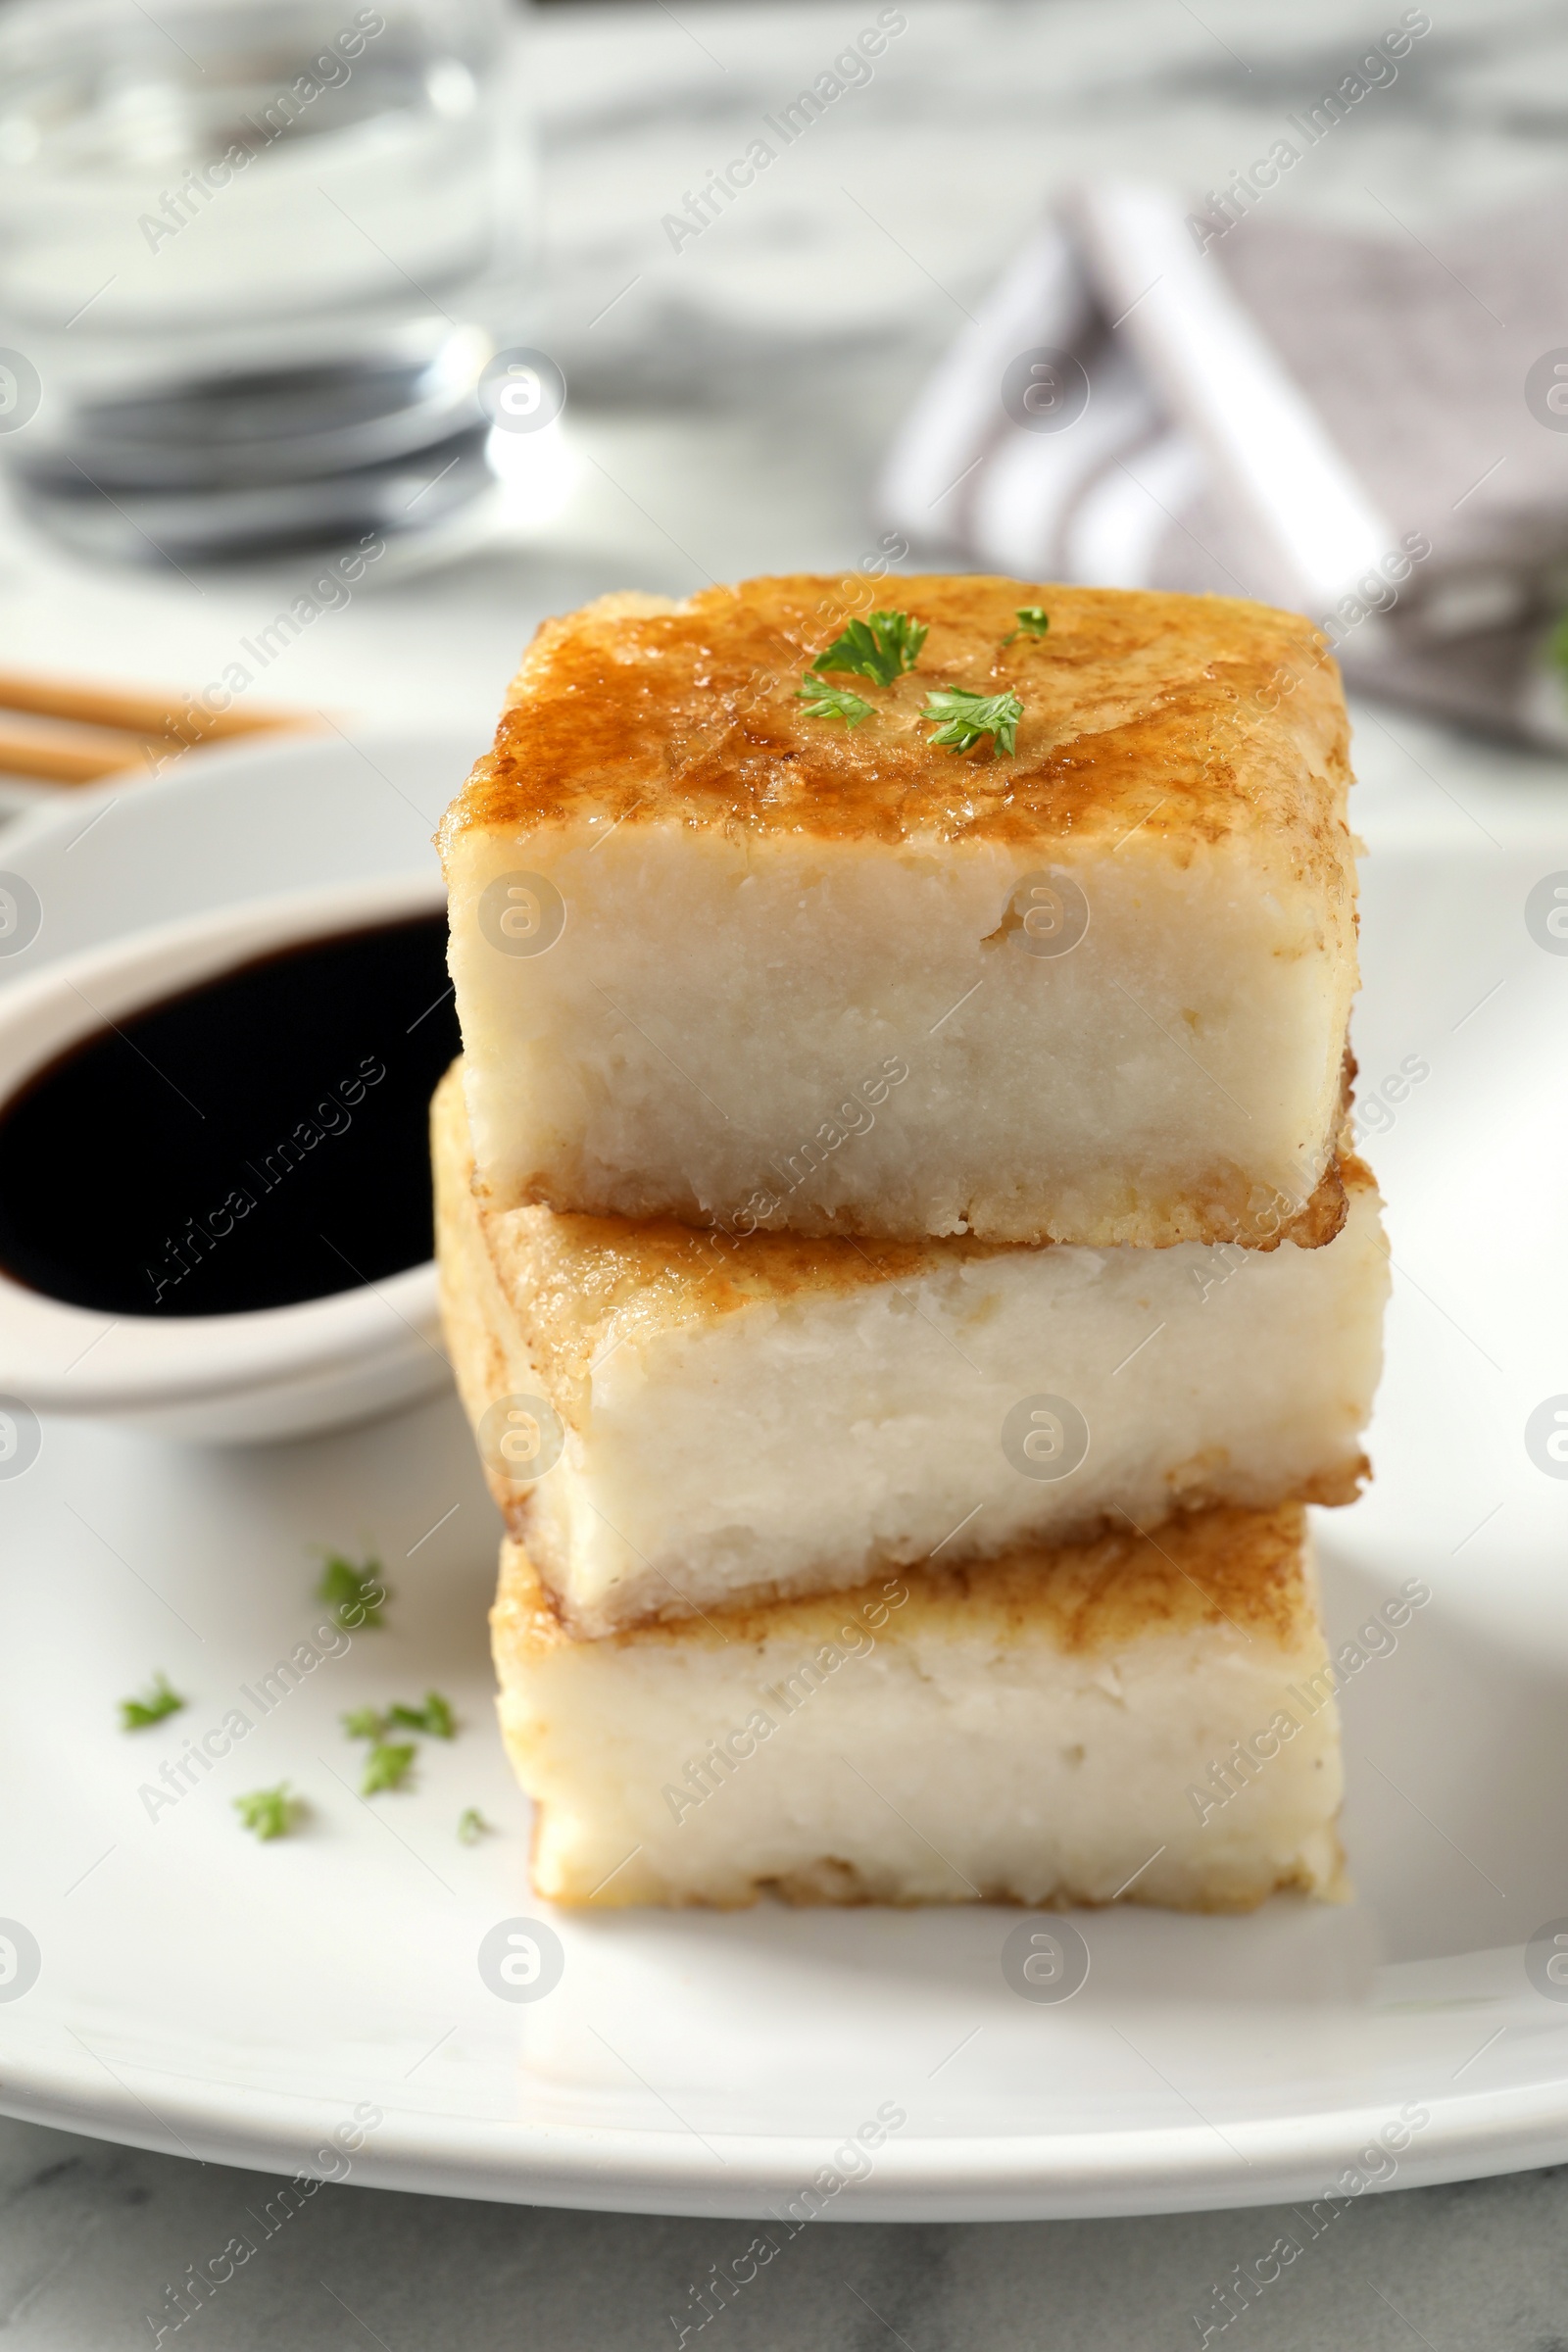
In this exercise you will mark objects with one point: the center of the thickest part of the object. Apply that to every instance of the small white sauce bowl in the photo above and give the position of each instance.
(239, 1378)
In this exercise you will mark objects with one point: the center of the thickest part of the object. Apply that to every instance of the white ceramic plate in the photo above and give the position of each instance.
(198, 1991)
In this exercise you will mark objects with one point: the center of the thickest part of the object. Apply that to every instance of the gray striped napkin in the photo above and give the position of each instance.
(1371, 430)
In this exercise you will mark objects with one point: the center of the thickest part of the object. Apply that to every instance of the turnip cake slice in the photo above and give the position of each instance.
(1016, 911)
(676, 1420)
(1153, 1723)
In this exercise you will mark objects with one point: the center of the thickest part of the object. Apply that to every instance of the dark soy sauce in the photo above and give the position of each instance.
(257, 1140)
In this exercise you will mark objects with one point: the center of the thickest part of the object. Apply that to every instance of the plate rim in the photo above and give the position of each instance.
(1140, 2170)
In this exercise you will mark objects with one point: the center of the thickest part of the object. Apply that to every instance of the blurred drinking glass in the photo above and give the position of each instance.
(254, 257)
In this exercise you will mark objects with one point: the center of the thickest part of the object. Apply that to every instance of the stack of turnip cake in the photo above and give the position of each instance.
(901, 1249)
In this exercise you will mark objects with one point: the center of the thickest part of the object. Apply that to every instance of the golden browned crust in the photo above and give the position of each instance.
(1223, 1204)
(1334, 1488)
(1245, 1570)
(837, 1882)
(1191, 718)
(1261, 1225)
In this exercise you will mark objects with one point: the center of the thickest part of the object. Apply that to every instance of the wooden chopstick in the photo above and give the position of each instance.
(65, 753)
(135, 709)
(91, 731)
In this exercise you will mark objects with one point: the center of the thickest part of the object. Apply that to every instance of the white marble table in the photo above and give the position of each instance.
(90, 2235)
(729, 401)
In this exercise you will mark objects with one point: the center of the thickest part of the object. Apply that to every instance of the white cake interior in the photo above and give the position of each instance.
(854, 1036)
(781, 1418)
(1157, 1726)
